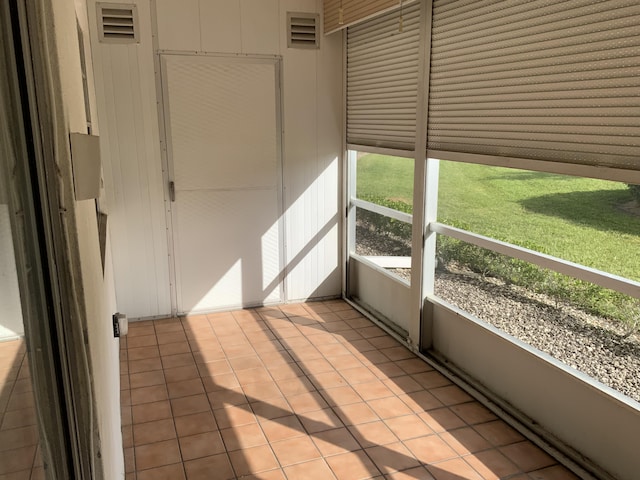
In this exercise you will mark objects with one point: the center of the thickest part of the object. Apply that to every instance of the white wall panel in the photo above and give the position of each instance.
(312, 97)
(177, 24)
(384, 297)
(219, 26)
(260, 26)
(312, 120)
(130, 146)
(10, 309)
(312, 100)
(329, 95)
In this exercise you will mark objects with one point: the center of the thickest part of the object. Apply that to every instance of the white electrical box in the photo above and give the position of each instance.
(85, 158)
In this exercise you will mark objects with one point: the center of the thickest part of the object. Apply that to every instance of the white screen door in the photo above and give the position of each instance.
(223, 146)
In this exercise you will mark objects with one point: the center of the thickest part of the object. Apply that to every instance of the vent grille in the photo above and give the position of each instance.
(302, 30)
(118, 23)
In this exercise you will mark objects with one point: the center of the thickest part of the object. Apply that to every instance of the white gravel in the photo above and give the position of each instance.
(585, 342)
(590, 344)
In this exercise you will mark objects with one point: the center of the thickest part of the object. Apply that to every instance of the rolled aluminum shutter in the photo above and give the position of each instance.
(543, 79)
(382, 80)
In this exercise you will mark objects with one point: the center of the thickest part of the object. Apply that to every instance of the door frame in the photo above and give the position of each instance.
(168, 164)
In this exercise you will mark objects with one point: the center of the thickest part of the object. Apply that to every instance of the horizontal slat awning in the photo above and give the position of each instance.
(339, 14)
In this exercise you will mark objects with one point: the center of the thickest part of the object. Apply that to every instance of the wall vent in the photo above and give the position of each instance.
(118, 23)
(302, 30)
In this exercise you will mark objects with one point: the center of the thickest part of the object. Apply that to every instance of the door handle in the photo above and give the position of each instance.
(172, 191)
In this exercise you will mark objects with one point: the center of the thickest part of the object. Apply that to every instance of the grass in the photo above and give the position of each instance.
(577, 219)
(379, 176)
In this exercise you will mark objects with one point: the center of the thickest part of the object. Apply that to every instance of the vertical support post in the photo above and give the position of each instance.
(429, 256)
(352, 157)
(421, 259)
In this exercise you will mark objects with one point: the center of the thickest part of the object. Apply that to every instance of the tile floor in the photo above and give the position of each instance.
(19, 452)
(306, 391)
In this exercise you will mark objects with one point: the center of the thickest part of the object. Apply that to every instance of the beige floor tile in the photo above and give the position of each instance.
(473, 413)
(341, 396)
(190, 405)
(155, 431)
(527, 456)
(356, 413)
(152, 394)
(389, 407)
(141, 353)
(149, 412)
(333, 442)
(235, 416)
(491, 464)
(157, 454)
(295, 450)
(465, 440)
(392, 457)
(320, 420)
(243, 436)
(174, 348)
(168, 472)
(352, 466)
(306, 402)
(146, 379)
(498, 433)
(453, 469)
(556, 472)
(185, 388)
(373, 390)
(195, 423)
(253, 460)
(201, 445)
(373, 434)
(264, 393)
(313, 470)
(282, 428)
(181, 373)
(430, 449)
(408, 426)
(271, 409)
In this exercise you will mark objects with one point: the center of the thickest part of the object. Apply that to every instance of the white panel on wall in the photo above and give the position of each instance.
(312, 99)
(260, 26)
(220, 26)
(311, 163)
(177, 24)
(130, 145)
(10, 309)
(329, 96)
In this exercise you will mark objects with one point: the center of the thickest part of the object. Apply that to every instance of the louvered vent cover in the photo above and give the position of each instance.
(118, 22)
(302, 30)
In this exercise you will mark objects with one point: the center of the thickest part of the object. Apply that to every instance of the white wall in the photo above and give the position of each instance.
(312, 118)
(132, 167)
(10, 310)
(98, 295)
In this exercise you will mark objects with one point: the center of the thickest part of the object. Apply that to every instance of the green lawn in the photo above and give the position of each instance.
(577, 219)
(379, 176)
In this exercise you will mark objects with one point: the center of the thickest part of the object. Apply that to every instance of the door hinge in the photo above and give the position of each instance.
(172, 191)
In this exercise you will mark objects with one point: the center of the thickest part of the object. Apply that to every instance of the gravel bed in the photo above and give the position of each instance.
(590, 344)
